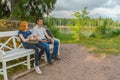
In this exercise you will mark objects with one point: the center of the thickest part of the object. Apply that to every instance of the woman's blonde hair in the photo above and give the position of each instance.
(22, 26)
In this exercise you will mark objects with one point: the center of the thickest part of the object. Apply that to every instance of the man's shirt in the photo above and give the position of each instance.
(39, 31)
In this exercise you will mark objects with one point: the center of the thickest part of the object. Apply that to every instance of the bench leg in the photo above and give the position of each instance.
(59, 48)
(5, 71)
(28, 62)
(45, 57)
(59, 51)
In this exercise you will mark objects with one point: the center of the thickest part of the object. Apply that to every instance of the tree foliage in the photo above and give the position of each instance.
(4, 9)
(81, 15)
(28, 9)
(81, 19)
(33, 8)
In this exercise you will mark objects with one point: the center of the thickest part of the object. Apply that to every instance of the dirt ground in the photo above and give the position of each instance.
(78, 64)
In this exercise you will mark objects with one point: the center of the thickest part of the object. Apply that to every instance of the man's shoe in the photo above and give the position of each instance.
(50, 62)
(37, 69)
(56, 58)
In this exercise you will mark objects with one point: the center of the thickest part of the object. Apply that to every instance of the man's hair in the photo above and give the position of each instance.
(40, 18)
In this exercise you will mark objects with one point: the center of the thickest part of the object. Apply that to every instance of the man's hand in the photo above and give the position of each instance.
(45, 40)
(38, 39)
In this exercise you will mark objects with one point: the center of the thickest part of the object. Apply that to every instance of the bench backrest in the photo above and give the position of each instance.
(12, 36)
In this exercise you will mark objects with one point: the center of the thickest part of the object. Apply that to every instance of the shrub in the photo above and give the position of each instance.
(49, 22)
(114, 33)
(55, 31)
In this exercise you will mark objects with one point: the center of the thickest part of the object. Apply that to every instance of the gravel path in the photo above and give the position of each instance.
(78, 64)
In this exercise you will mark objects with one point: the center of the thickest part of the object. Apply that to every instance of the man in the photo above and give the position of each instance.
(45, 40)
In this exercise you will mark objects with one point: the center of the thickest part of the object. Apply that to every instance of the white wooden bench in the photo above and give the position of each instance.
(13, 52)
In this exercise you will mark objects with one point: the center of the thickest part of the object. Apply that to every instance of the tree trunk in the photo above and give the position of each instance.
(13, 4)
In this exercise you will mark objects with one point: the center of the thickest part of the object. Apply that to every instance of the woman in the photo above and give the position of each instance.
(25, 35)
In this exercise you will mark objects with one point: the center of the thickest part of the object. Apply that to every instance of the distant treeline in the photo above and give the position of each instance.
(86, 22)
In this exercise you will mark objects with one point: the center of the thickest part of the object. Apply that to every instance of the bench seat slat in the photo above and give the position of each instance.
(17, 53)
(8, 33)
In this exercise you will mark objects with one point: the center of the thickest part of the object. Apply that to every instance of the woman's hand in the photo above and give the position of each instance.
(33, 37)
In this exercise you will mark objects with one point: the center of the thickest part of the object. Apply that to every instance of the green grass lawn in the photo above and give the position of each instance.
(102, 46)
(66, 38)
(94, 45)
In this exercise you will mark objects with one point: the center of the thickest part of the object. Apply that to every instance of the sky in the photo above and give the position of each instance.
(96, 8)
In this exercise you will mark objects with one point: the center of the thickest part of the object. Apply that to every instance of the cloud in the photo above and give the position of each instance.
(104, 8)
(110, 3)
(78, 4)
(63, 14)
(107, 12)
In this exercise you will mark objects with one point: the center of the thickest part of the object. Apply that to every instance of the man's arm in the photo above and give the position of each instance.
(34, 31)
(48, 36)
(38, 39)
(49, 33)
(52, 39)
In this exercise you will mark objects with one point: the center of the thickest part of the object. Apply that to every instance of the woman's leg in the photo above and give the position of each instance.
(30, 46)
(41, 51)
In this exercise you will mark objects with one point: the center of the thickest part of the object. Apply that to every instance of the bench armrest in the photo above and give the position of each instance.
(2, 53)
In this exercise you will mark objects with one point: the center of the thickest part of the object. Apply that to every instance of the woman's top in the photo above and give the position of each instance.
(25, 35)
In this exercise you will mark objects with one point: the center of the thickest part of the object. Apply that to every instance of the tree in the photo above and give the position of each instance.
(4, 9)
(82, 15)
(26, 9)
(81, 19)
(13, 3)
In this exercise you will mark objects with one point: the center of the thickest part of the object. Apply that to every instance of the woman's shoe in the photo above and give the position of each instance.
(37, 69)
